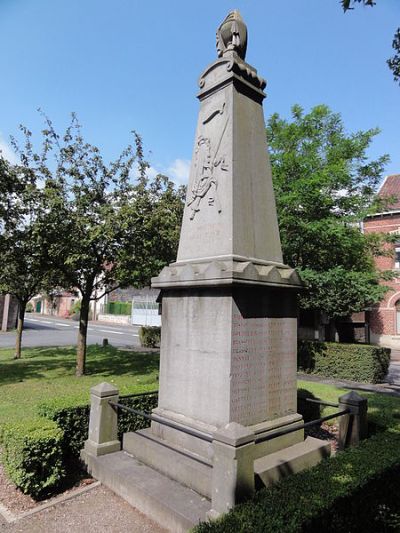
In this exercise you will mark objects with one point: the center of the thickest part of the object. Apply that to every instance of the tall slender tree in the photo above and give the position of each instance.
(24, 267)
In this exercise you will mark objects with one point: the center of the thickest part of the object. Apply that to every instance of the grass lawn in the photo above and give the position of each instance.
(46, 373)
(383, 410)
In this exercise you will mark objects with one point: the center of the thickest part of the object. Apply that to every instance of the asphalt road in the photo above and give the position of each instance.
(41, 330)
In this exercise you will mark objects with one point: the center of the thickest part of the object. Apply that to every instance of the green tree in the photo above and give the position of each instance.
(24, 268)
(393, 62)
(325, 185)
(107, 225)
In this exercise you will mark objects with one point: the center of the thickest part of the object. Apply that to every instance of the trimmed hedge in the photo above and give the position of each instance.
(355, 362)
(38, 456)
(150, 336)
(73, 420)
(32, 456)
(342, 494)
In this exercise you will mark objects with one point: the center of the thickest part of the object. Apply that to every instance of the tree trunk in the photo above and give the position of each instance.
(20, 327)
(82, 335)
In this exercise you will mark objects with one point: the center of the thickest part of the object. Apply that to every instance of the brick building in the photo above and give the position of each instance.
(384, 319)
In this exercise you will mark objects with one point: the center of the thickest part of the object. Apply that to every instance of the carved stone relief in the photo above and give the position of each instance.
(207, 163)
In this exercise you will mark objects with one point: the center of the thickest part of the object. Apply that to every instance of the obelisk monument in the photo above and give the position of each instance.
(229, 313)
(228, 349)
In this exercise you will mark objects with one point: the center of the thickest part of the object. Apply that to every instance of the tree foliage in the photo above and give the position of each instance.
(393, 62)
(106, 225)
(325, 184)
(24, 270)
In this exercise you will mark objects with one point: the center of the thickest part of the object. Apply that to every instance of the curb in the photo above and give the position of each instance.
(10, 517)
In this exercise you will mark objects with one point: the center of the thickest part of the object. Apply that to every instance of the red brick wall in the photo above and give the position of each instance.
(383, 316)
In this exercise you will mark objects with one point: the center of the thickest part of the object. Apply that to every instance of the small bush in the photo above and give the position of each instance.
(356, 362)
(29, 308)
(32, 456)
(73, 420)
(150, 336)
(118, 308)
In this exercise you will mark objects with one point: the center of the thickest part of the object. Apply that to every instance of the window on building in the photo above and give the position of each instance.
(397, 256)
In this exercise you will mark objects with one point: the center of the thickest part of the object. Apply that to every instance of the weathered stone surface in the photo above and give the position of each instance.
(230, 215)
(233, 467)
(228, 356)
(353, 427)
(103, 422)
(167, 502)
(275, 466)
(226, 272)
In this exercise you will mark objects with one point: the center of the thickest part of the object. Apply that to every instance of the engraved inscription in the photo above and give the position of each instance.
(263, 371)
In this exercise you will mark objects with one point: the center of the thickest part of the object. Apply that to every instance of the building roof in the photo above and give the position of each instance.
(391, 187)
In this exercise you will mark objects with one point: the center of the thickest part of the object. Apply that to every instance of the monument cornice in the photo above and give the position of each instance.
(231, 69)
(223, 273)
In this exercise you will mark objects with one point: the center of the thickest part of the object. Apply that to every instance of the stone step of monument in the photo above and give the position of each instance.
(275, 466)
(170, 459)
(167, 502)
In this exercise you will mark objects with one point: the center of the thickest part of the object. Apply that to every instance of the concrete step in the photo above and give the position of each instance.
(167, 502)
(188, 468)
(275, 466)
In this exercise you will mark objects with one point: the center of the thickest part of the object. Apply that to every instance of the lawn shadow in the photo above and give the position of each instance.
(53, 362)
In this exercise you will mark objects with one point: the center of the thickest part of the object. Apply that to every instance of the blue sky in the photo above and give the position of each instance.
(130, 64)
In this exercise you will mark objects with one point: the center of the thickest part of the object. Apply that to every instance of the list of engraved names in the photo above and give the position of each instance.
(263, 371)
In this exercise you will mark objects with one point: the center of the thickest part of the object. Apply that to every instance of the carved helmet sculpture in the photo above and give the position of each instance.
(232, 35)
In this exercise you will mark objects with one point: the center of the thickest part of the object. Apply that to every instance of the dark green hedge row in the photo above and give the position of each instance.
(356, 362)
(37, 456)
(74, 420)
(343, 494)
(32, 456)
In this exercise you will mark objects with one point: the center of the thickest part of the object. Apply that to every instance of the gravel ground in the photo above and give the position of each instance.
(16, 502)
(98, 511)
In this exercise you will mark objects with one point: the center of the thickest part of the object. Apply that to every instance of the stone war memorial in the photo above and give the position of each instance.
(227, 393)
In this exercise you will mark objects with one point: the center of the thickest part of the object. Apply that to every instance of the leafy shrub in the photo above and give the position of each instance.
(32, 456)
(29, 308)
(356, 362)
(37, 455)
(150, 336)
(73, 420)
(341, 494)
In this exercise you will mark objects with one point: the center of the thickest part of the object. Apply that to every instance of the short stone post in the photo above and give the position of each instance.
(103, 423)
(354, 426)
(233, 468)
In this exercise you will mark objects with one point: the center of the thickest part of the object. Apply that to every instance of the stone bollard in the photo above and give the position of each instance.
(103, 423)
(233, 468)
(354, 426)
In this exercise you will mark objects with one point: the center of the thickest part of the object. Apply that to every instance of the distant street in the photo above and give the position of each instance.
(43, 330)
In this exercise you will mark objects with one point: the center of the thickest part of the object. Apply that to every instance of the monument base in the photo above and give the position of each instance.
(189, 459)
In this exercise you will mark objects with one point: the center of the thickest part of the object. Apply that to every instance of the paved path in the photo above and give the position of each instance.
(96, 511)
(42, 330)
